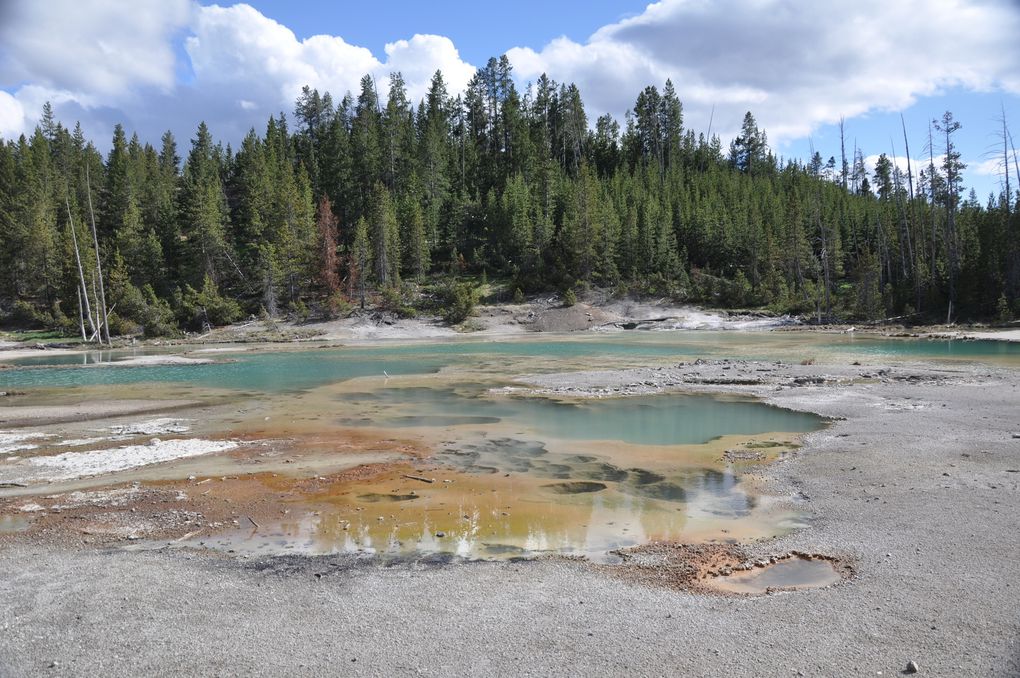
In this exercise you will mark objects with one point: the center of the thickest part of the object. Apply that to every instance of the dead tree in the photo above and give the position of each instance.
(105, 325)
(82, 288)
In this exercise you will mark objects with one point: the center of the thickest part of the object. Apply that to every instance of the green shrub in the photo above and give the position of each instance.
(208, 306)
(1002, 311)
(131, 303)
(458, 300)
(337, 306)
(397, 300)
(121, 326)
(299, 311)
(25, 316)
(518, 296)
(158, 319)
(569, 297)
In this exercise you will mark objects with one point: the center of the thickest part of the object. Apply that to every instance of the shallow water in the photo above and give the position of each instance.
(674, 419)
(11, 524)
(294, 370)
(513, 474)
(792, 573)
(498, 515)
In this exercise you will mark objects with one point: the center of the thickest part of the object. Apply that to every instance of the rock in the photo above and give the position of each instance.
(440, 534)
(911, 667)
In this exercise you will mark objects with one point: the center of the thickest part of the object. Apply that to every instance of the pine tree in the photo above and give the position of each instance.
(360, 260)
(385, 238)
(329, 268)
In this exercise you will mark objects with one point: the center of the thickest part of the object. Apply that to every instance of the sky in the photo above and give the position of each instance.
(798, 65)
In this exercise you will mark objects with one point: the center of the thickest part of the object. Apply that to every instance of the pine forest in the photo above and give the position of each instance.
(412, 206)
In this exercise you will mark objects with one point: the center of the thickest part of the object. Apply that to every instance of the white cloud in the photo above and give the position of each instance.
(900, 162)
(420, 57)
(96, 62)
(260, 61)
(796, 65)
(238, 50)
(994, 167)
(97, 46)
(12, 116)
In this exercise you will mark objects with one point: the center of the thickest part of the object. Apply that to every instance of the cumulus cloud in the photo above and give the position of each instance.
(901, 163)
(101, 65)
(796, 65)
(995, 166)
(12, 116)
(99, 47)
(420, 57)
(263, 64)
(248, 56)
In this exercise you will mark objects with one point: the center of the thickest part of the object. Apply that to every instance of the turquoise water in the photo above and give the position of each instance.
(526, 474)
(297, 370)
(675, 419)
(920, 349)
(269, 372)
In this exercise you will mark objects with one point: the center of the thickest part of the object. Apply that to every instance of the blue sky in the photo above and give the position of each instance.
(478, 29)
(797, 65)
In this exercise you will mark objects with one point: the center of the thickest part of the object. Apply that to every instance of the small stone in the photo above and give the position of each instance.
(440, 534)
(912, 667)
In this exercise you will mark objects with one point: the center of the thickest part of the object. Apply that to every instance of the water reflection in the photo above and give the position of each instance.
(492, 516)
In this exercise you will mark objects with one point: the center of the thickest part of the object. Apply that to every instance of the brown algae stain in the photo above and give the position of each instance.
(725, 569)
(575, 487)
(499, 489)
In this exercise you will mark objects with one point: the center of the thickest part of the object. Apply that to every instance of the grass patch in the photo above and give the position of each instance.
(39, 335)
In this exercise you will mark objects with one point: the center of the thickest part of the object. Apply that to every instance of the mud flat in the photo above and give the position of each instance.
(22, 415)
(916, 487)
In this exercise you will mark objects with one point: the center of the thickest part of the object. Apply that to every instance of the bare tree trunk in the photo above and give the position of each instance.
(913, 214)
(1016, 159)
(82, 289)
(105, 326)
(81, 317)
(842, 154)
(1013, 266)
(951, 166)
(99, 318)
(901, 211)
(1005, 162)
(931, 190)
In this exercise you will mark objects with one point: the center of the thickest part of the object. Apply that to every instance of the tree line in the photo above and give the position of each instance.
(366, 198)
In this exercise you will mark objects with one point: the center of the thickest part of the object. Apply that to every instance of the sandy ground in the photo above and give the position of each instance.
(998, 335)
(34, 415)
(546, 314)
(12, 351)
(917, 484)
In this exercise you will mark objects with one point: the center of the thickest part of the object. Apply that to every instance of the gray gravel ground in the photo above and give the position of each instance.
(918, 486)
